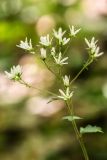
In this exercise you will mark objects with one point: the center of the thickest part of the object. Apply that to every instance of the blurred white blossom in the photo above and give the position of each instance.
(26, 45)
(59, 35)
(43, 53)
(65, 41)
(15, 73)
(73, 31)
(65, 95)
(93, 48)
(97, 52)
(59, 60)
(66, 80)
(45, 40)
(92, 43)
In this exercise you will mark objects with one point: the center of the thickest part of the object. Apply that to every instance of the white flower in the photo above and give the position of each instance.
(43, 53)
(73, 31)
(96, 52)
(59, 60)
(59, 34)
(94, 49)
(65, 95)
(25, 45)
(45, 40)
(15, 73)
(66, 80)
(65, 41)
(92, 43)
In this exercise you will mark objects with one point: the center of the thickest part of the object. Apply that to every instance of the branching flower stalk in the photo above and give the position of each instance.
(48, 67)
(32, 87)
(78, 135)
(56, 56)
(87, 63)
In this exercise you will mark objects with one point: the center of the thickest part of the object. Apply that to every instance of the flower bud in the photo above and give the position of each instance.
(43, 53)
(66, 80)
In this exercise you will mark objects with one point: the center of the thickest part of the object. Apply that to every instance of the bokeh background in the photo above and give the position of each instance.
(31, 129)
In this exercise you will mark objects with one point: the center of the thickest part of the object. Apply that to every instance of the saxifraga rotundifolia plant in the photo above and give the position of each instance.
(53, 49)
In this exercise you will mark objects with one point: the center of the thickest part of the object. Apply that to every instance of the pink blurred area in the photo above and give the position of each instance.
(36, 75)
(40, 106)
(95, 8)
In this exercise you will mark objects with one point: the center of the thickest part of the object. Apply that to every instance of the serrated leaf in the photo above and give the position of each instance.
(71, 118)
(90, 129)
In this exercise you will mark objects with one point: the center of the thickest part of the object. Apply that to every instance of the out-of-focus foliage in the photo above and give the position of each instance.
(29, 127)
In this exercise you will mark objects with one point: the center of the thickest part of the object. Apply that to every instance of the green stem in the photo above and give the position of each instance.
(60, 75)
(51, 69)
(57, 76)
(78, 135)
(67, 48)
(89, 61)
(30, 86)
(48, 67)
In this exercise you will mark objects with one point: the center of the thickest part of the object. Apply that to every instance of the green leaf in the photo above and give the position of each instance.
(90, 129)
(71, 118)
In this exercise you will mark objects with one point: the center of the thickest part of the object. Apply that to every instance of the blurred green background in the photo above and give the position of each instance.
(31, 129)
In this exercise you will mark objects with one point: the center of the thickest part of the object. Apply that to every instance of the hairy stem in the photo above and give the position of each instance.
(50, 69)
(30, 86)
(66, 49)
(57, 76)
(78, 135)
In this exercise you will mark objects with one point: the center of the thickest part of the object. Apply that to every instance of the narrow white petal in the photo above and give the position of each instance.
(71, 94)
(100, 54)
(61, 97)
(87, 42)
(64, 63)
(63, 60)
(62, 93)
(77, 31)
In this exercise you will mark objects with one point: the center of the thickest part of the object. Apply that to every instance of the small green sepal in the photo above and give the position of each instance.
(71, 118)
